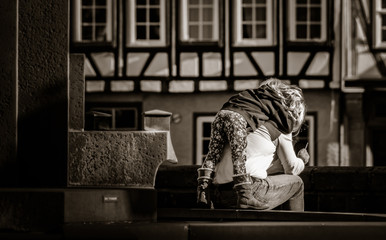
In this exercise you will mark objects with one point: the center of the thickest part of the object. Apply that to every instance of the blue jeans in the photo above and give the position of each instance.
(284, 190)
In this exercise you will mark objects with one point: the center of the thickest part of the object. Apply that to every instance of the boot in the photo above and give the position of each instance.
(204, 181)
(245, 198)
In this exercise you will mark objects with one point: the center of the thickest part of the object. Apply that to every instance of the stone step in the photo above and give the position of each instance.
(42, 209)
(196, 214)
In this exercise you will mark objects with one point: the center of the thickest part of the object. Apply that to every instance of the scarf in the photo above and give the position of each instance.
(261, 106)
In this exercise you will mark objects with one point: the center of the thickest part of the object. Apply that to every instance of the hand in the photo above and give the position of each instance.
(303, 154)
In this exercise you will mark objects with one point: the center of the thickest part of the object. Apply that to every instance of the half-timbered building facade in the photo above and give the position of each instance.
(188, 57)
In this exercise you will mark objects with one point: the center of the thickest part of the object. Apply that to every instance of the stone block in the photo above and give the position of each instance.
(342, 202)
(340, 178)
(157, 120)
(377, 202)
(115, 158)
(310, 201)
(173, 176)
(377, 179)
(110, 205)
(306, 176)
(331, 202)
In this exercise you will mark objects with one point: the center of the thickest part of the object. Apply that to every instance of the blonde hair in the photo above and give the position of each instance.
(292, 99)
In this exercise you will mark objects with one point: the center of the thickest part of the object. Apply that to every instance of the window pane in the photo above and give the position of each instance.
(383, 35)
(154, 2)
(207, 14)
(87, 33)
(200, 20)
(207, 31)
(141, 2)
(100, 2)
(206, 129)
(154, 15)
(207, 2)
(87, 15)
(205, 146)
(141, 15)
(87, 2)
(315, 31)
(301, 1)
(383, 3)
(315, 1)
(261, 14)
(301, 14)
(193, 14)
(247, 1)
(301, 31)
(100, 32)
(125, 118)
(261, 31)
(193, 32)
(315, 14)
(383, 19)
(247, 31)
(100, 15)
(261, 1)
(141, 32)
(154, 32)
(247, 14)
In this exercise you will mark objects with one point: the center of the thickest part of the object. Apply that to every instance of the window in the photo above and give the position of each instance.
(199, 20)
(146, 22)
(306, 138)
(253, 22)
(307, 20)
(113, 116)
(92, 21)
(380, 23)
(203, 128)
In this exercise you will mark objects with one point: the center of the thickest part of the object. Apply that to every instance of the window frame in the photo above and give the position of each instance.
(112, 107)
(237, 26)
(131, 24)
(77, 23)
(378, 12)
(184, 23)
(292, 22)
(199, 139)
(310, 120)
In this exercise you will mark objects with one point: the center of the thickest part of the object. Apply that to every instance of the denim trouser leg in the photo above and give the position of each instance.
(279, 189)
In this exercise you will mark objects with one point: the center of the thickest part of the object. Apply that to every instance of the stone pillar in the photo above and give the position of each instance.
(43, 46)
(77, 93)
(8, 95)
(158, 120)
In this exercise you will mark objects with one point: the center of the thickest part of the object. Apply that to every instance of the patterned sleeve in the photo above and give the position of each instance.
(291, 163)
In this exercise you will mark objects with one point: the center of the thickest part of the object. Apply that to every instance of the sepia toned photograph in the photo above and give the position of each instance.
(193, 119)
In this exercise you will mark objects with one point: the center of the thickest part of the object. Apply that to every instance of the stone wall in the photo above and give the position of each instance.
(327, 189)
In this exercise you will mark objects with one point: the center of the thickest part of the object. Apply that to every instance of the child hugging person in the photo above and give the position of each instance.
(268, 116)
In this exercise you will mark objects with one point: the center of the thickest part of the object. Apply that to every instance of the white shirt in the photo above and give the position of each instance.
(263, 157)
